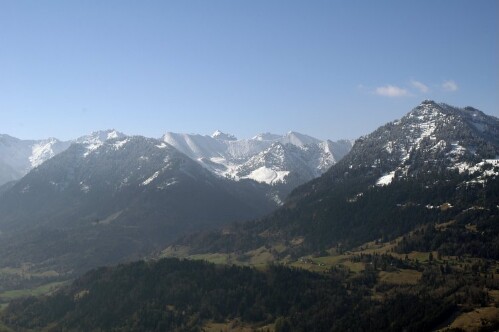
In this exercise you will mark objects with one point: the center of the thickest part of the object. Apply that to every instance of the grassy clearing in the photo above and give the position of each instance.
(324, 263)
(307, 266)
(475, 320)
(400, 277)
(494, 295)
(4, 328)
(224, 327)
(260, 257)
(7, 296)
(213, 258)
(443, 226)
(332, 260)
(44, 289)
(26, 271)
(377, 248)
(354, 266)
(11, 271)
(280, 247)
(235, 326)
(175, 251)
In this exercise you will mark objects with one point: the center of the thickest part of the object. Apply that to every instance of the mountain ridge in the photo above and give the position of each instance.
(434, 155)
(18, 157)
(403, 232)
(220, 153)
(125, 196)
(243, 159)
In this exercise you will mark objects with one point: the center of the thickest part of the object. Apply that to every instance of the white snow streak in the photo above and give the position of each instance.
(385, 179)
(150, 179)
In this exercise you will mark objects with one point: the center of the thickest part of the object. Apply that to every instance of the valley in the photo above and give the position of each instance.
(376, 268)
(249, 166)
(402, 230)
(393, 270)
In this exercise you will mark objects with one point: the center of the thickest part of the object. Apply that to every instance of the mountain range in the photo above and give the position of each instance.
(400, 234)
(265, 158)
(283, 161)
(107, 197)
(117, 198)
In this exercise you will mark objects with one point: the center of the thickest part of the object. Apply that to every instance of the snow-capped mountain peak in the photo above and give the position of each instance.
(223, 136)
(45, 149)
(431, 138)
(298, 139)
(273, 165)
(266, 137)
(97, 138)
(283, 160)
(18, 157)
(100, 136)
(227, 157)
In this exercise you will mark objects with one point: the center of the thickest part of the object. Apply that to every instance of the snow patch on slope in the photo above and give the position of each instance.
(266, 137)
(226, 156)
(150, 179)
(96, 139)
(162, 145)
(385, 179)
(119, 144)
(267, 175)
(84, 187)
(480, 171)
(42, 151)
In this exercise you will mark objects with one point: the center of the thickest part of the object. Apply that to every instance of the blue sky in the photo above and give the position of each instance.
(331, 69)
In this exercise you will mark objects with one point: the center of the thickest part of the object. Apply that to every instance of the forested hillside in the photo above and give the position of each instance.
(176, 295)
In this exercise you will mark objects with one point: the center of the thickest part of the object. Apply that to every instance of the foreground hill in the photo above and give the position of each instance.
(436, 164)
(173, 295)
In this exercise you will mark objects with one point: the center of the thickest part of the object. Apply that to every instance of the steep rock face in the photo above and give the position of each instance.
(18, 157)
(122, 195)
(223, 136)
(283, 161)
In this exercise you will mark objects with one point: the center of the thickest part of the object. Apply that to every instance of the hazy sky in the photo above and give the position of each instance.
(331, 69)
